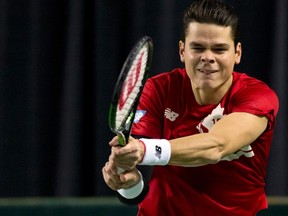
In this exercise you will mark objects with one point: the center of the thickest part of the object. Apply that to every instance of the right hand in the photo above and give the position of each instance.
(128, 156)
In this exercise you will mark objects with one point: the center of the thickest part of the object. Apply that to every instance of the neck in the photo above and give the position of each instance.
(211, 96)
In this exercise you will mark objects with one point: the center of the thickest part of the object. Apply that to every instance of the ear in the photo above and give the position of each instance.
(181, 51)
(238, 53)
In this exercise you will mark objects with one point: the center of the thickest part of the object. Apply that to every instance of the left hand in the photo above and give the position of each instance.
(125, 180)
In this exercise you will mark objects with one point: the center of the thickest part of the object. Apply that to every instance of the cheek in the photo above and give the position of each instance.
(189, 71)
(191, 61)
(227, 63)
(190, 66)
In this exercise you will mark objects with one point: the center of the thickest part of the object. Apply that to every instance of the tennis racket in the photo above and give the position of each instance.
(128, 89)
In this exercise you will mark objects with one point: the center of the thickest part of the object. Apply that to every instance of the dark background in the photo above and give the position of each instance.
(59, 61)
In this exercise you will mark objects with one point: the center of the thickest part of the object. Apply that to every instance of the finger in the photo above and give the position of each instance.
(134, 150)
(122, 162)
(114, 141)
(113, 165)
(125, 162)
(126, 166)
(112, 180)
(129, 179)
(129, 176)
(131, 139)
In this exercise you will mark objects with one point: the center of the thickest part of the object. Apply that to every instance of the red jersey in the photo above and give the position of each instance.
(233, 186)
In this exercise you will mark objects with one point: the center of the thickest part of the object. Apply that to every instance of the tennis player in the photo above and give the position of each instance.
(206, 130)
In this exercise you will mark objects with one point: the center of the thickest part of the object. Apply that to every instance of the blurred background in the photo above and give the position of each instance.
(59, 61)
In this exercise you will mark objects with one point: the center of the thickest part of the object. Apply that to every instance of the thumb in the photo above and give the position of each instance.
(129, 179)
(114, 141)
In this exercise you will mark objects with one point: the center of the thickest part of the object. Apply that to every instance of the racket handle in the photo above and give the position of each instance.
(121, 139)
(120, 170)
(122, 142)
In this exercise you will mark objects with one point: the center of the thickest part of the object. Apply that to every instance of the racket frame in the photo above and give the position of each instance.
(124, 130)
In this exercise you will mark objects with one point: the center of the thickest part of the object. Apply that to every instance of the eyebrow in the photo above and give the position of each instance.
(222, 45)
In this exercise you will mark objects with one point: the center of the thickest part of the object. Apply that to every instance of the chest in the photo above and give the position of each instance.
(187, 120)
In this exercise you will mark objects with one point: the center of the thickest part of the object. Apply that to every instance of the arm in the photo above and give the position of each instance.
(227, 136)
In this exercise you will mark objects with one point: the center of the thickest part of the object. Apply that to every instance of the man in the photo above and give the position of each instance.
(209, 128)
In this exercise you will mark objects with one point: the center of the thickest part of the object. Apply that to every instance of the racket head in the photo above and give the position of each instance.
(129, 86)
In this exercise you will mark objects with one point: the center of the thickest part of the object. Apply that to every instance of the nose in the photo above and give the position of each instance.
(207, 57)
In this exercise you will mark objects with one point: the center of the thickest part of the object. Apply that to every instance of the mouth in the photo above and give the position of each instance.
(207, 72)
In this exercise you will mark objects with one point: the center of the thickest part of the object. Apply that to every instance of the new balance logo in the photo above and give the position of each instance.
(169, 114)
(158, 151)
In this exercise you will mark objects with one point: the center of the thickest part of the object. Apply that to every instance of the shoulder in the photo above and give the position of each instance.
(175, 73)
(176, 76)
(243, 79)
(245, 84)
(248, 91)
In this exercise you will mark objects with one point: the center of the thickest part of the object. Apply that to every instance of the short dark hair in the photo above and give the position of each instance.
(211, 12)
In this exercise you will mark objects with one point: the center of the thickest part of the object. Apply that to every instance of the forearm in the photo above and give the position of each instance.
(196, 150)
(227, 136)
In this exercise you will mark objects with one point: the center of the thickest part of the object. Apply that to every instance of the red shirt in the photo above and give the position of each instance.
(233, 186)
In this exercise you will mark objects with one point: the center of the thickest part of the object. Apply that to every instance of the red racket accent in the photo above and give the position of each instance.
(130, 84)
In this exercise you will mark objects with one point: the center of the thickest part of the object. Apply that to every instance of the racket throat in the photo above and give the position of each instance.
(123, 136)
(122, 140)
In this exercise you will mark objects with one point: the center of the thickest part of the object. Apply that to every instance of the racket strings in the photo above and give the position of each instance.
(132, 86)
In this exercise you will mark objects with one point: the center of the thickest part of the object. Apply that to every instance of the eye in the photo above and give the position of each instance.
(198, 48)
(219, 50)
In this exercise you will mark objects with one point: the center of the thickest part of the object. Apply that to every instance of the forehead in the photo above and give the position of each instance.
(209, 33)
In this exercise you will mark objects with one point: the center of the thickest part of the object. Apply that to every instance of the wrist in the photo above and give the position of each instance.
(134, 191)
(157, 152)
(144, 149)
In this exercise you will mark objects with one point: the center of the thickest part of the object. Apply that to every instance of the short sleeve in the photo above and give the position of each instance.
(149, 114)
(258, 99)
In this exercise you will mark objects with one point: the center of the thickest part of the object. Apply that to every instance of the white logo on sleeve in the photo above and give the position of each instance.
(207, 123)
(247, 151)
(171, 115)
(138, 115)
